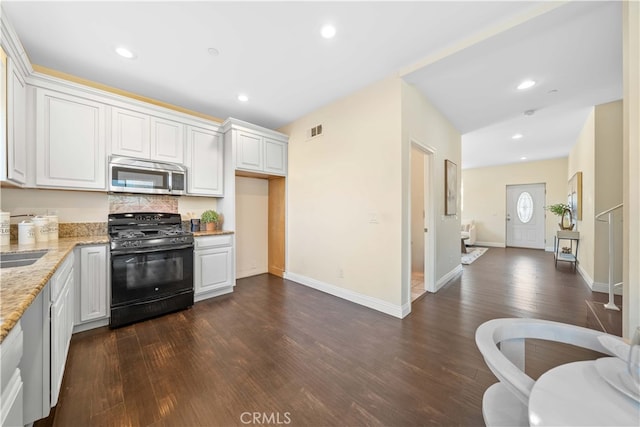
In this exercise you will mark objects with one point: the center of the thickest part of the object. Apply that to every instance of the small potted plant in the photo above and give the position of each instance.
(564, 212)
(210, 218)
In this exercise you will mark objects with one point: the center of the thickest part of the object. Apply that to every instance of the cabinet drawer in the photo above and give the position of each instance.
(60, 276)
(10, 355)
(11, 413)
(206, 242)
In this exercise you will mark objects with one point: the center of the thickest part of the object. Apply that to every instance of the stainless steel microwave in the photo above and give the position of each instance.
(129, 175)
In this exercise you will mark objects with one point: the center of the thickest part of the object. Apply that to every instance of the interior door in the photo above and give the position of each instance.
(525, 216)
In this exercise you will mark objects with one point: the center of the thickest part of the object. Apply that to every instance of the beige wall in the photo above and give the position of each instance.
(598, 154)
(631, 177)
(423, 124)
(485, 196)
(344, 201)
(348, 196)
(252, 215)
(72, 206)
(608, 188)
(582, 159)
(81, 206)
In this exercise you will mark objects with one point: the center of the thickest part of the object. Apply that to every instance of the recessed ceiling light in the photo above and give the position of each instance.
(213, 51)
(243, 98)
(523, 158)
(517, 136)
(328, 31)
(125, 53)
(526, 84)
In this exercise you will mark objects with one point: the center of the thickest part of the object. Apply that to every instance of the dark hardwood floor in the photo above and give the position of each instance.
(297, 356)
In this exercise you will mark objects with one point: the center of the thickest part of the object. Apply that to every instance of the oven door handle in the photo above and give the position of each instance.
(148, 251)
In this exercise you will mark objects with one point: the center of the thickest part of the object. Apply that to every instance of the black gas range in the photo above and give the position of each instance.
(151, 266)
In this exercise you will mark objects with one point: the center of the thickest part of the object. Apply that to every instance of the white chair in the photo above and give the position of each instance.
(501, 343)
(468, 232)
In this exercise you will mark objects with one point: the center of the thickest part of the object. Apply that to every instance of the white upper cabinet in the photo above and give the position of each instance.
(136, 134)
(167, 140)
(275, 157)
(257, 149)
(249, 152)
(204, 162)
(16, 126)
(130, 133)
(70, 142)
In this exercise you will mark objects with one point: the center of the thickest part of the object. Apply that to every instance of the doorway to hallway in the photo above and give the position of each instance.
(422, 230)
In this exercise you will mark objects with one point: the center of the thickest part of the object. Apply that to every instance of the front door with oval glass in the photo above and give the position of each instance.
(525, 216)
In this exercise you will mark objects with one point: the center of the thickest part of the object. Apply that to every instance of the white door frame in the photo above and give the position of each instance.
(429, 247)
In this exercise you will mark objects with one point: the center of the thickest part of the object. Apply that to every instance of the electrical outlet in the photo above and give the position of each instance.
(340, 273)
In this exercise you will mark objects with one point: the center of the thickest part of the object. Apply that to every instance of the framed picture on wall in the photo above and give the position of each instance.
(450, 188)
(575, 196)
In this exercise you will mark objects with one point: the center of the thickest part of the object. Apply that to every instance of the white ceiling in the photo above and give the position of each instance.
(272, 51)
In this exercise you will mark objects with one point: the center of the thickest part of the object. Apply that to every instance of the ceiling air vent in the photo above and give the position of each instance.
(314, 132)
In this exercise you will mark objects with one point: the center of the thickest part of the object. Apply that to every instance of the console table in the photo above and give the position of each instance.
(572, 237)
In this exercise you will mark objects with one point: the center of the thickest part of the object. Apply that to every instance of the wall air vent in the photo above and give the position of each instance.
(314, 132)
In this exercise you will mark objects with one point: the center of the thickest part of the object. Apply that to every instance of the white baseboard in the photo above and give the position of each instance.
(213, 294)
(349, 295)
(406, 308)
(90, 325)
(604, 288)
(250, 272)
(448, 277)
(491, 244)
(549, 249)
(585, 276)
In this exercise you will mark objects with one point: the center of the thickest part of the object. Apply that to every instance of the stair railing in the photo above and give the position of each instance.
(609, 219)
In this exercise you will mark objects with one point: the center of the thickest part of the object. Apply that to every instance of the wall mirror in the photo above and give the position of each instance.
(566, 221)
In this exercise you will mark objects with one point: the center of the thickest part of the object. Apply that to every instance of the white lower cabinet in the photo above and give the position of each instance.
(11, 390)
(92, 287)
(35, 365)
(213, 266)
(47, 326)
(62, 319)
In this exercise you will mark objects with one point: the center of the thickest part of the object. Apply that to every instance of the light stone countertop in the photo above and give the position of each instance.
(19, 286)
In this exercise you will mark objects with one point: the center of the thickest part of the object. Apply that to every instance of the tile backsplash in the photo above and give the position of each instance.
(123, 203)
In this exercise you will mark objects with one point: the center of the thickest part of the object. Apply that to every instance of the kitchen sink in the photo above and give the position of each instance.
(20, 259)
